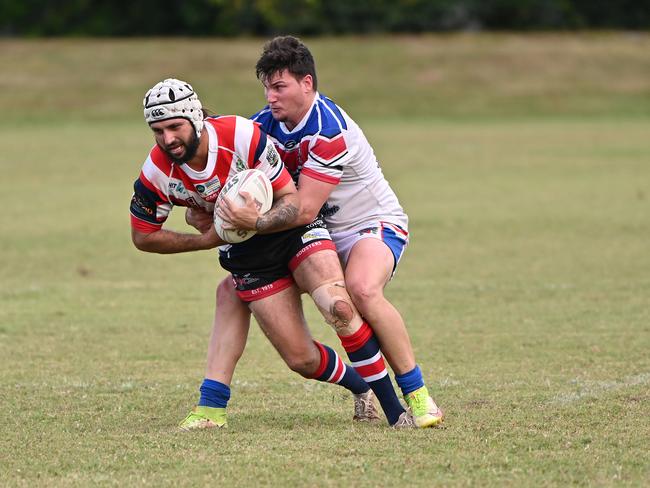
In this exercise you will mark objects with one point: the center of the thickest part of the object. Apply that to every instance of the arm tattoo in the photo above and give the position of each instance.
(279, 217)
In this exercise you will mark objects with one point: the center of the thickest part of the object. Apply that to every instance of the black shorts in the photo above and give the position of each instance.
(262, 265)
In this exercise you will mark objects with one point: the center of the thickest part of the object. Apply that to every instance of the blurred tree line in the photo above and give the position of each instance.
(310, 17)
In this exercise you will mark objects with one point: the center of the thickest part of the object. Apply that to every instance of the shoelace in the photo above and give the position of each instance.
(360, 406)
(405, 420)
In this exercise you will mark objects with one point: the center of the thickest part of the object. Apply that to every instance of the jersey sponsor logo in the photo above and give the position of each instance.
(328, 210)
(312, 247)
(178, 190)
(245, 281)
(318, 222)
(315, 234)
(177, 186)
(209, 190)
(139, 204)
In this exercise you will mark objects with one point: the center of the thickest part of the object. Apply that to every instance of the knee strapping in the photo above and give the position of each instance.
(334, 302)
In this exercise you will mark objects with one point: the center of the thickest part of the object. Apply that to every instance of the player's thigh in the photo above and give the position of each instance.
(317, 269)
(230, 310)
(368, 269)
(281, 318)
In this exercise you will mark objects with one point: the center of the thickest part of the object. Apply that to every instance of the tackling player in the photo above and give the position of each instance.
(190, 163)
(338, 176)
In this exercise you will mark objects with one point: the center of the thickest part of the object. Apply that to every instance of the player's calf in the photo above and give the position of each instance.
(358, 340)
(304, 365)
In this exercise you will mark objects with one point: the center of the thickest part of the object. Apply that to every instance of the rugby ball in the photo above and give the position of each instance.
(258, 185)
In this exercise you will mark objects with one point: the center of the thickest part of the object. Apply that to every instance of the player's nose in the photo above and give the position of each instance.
(168, 137)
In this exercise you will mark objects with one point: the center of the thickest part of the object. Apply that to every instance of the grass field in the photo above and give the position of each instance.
(525, 171)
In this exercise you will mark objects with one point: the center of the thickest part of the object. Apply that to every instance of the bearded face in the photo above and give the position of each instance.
(177, 138)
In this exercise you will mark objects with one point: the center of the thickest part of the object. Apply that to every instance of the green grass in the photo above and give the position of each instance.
(525, 287)
(461, 75)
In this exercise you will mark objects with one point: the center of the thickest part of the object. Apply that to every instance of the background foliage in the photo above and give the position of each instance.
(310, 17)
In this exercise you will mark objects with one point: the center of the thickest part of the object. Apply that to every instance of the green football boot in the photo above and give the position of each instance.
(424, 410)
(204, 418)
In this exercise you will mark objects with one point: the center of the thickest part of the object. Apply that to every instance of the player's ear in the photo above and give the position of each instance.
(308, 83)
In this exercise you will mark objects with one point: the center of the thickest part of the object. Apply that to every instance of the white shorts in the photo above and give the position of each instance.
(392, 235)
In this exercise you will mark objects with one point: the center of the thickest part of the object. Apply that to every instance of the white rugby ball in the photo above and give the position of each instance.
(258, 185)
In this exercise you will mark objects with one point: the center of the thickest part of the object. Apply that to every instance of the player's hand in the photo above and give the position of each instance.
(199, 219)
(236, 217)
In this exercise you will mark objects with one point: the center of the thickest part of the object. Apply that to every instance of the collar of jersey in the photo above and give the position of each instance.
(213, 147)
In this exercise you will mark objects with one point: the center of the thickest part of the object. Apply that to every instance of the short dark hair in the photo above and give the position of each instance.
(286, 53)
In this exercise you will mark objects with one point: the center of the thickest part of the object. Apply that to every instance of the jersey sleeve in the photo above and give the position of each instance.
(267, 159)
(148, 209)
(327, 155)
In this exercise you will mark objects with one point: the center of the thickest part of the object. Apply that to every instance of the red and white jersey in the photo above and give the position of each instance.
(328, 145)
(234, 144)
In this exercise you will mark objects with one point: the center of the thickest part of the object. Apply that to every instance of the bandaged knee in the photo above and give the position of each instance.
(335, 304)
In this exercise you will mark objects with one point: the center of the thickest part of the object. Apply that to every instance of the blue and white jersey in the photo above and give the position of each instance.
(329, 146)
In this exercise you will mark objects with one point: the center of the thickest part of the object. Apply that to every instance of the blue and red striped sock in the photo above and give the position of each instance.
(363, 350)
(333, 370)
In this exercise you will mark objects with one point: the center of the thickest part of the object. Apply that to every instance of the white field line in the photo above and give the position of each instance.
(595, 389)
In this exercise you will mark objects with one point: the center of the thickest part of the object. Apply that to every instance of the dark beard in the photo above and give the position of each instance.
(190, 150)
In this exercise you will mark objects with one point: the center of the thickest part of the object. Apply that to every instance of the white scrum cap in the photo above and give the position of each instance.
(172, 98)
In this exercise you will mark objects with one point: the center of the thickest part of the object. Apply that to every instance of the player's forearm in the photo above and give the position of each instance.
(169, 242)
(281, 216)
(306, 216)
